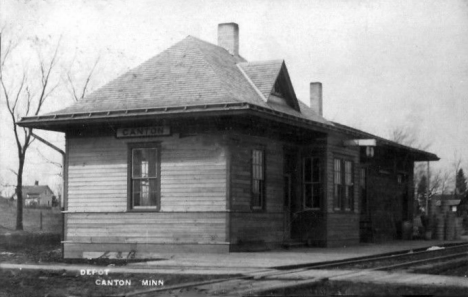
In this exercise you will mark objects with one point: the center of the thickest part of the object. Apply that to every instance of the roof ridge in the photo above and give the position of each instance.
(259, 93)
(222, 85)
(263, 62)
(220, 47)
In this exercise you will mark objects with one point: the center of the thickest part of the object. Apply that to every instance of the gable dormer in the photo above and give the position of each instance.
(272, 82)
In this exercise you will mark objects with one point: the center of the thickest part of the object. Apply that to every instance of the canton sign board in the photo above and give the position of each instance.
(143, 131)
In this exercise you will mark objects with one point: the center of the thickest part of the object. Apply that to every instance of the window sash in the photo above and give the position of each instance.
(144, 163)
(363, 190)
(144, 181)
(337, 187)
(349, 185)
(343, 184)
(312, 183)
(258, 179)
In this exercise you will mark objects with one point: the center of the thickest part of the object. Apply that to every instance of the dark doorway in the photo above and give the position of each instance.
(365, 223)
(289, 177)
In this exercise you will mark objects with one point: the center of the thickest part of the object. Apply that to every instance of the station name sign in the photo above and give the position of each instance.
(143, 131)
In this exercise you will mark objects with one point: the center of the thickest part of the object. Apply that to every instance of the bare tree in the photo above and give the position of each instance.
(78, 93)
(407, 136)
(50, 161)
(24, 98)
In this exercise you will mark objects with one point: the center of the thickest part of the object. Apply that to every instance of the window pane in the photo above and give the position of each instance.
(338, 196)
(137, 159)
(316, 170)
(307, 170)
(258, 176)
(153, 192)
(152, 161)
(136, 188)
(346, 198)
(337, 177)
(145, 192)
(348, 173)
(257, 164)
(308, 195)
(350, 197)
(363, 178)
(256, 186)
(144, 162)
(257, 193)
(317, 189)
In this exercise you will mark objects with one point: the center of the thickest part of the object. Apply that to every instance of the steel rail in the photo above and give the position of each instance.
(387, 256)
(422, 261)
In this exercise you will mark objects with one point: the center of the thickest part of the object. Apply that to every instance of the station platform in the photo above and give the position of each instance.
(251, 261)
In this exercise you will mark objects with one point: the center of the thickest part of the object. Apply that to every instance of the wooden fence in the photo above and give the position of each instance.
(34, 220)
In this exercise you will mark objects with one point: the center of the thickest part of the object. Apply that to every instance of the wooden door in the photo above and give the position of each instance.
(287, 207)
(289, 190)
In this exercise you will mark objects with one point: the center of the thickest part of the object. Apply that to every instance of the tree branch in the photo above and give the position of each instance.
(48, 160)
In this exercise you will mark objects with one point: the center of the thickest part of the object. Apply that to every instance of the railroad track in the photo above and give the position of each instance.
(368, 262)
(399, 260)
(276, 276)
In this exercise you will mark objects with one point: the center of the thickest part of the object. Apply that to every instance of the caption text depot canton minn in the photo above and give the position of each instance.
(118, 282)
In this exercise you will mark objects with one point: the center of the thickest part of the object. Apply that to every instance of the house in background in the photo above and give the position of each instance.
(443, 203)
(199, 150)
(37, 195)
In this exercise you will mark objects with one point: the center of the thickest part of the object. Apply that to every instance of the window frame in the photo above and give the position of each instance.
(262, 185)
(363, 196)
(342, 201)
(143, 145)
(313, 183)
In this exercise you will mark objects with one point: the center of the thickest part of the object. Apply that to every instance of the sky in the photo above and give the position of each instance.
(383, 64)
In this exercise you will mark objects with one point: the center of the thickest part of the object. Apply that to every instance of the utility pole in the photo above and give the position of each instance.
(428, 188)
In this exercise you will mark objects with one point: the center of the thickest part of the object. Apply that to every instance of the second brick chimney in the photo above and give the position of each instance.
(228, 37)
(316, 97)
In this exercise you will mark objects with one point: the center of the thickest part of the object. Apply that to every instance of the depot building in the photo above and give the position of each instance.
(199, 150)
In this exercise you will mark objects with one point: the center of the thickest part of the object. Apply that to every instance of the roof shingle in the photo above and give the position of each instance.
(191, 72)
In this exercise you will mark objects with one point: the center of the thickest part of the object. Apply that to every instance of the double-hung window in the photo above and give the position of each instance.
(312, 183)
(258, 179)
(144, 180)
(343, 184)
(363, 188)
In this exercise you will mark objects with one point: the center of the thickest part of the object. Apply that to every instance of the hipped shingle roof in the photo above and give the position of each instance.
(191, 72)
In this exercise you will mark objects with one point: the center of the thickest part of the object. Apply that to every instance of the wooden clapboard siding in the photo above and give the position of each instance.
(97, 174)
(247, 225)
(138, 250)
(336, 149)
(241, 173)
(385, 195)
(193, 173)
(163, 228)
(193, 195)
(253, 227)
(342, 227)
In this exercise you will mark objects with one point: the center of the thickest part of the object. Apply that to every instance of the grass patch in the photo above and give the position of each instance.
(24, 239)
(25, 247)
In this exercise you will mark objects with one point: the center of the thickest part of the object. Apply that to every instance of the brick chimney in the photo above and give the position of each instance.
(228, 37)
(316, 97)
(36, 183)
